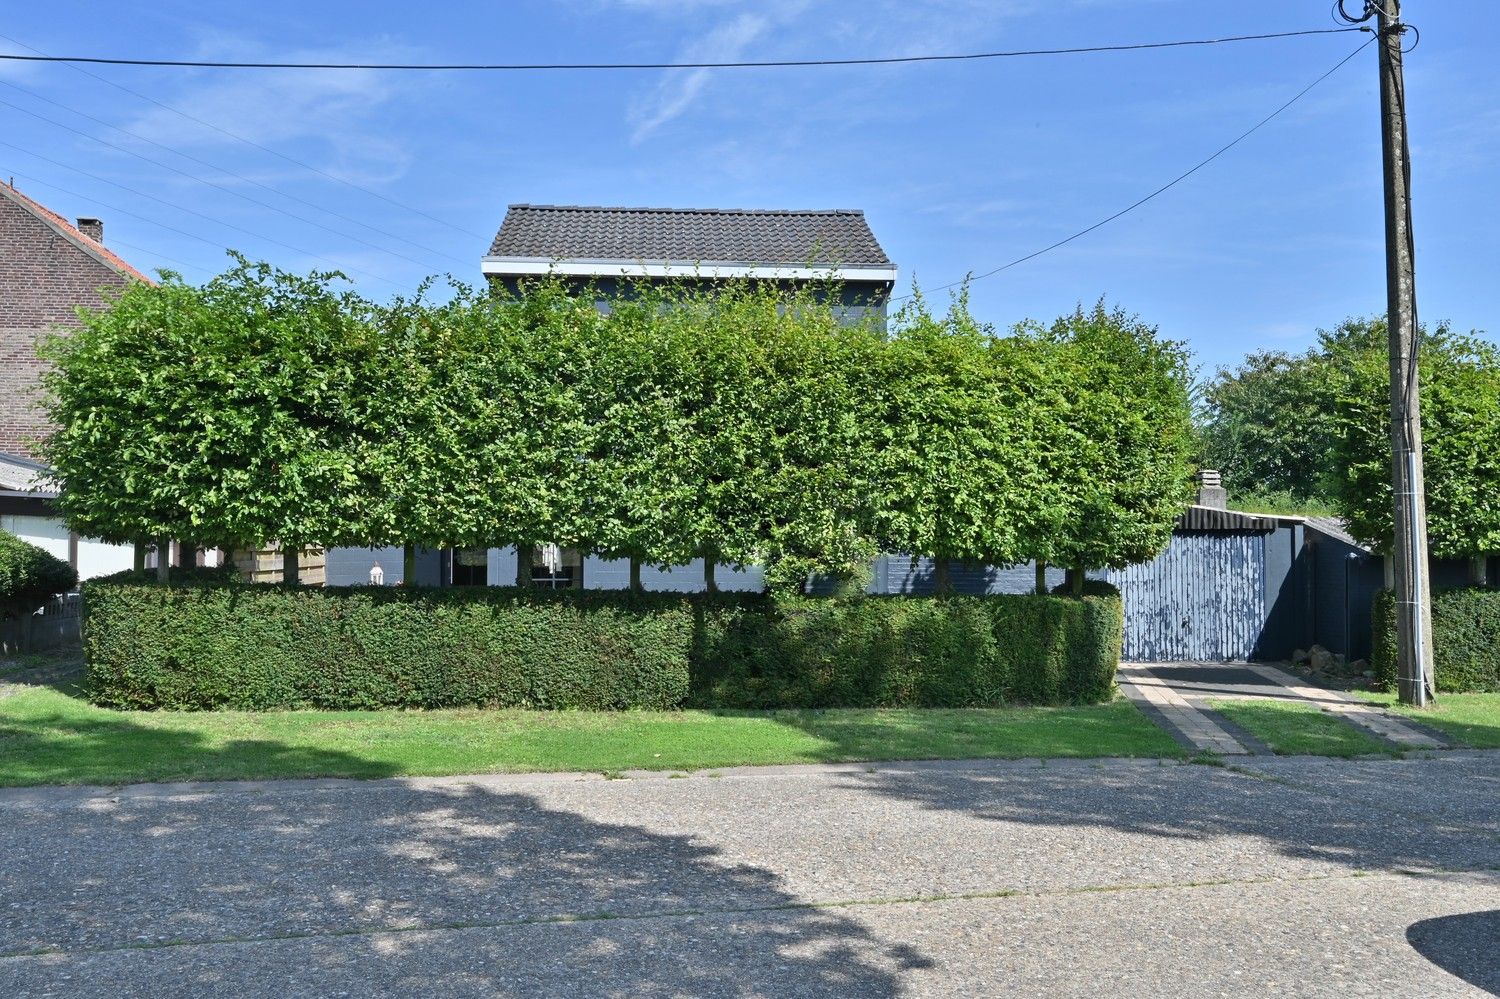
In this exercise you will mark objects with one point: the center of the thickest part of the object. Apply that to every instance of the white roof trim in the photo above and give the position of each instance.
(713, 270)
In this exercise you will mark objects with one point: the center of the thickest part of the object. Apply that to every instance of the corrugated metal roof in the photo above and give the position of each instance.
(1207, 518)
(688, 236)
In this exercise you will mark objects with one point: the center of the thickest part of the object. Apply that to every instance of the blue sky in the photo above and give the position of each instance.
(960, 167)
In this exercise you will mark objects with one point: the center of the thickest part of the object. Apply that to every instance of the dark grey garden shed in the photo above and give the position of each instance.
(1246, 586)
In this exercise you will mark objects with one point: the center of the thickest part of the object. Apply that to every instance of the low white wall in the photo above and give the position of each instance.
(95, 557)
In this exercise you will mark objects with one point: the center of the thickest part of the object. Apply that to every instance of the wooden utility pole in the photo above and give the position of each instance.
(1413, 607)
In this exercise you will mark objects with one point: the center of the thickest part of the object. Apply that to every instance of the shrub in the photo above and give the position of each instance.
(201, 644)
(1465, 640)
(29, 575)
(910, 651)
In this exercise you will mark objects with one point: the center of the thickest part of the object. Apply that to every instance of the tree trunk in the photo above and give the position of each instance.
(1076, 581)
(942, 577)
(1041, 578)
(710, 579)
(408, 565)
(1479, 571)
(140, 557)
(523, 566)
(635, 575)
(289, 566)
(163, 559)
(187, 555)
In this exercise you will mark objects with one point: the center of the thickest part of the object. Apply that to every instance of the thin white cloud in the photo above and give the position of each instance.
(680, 88)
(12, 69)
(337, 113)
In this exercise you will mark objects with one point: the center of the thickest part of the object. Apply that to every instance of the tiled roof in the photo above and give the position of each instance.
(687, 236)
(70, 232)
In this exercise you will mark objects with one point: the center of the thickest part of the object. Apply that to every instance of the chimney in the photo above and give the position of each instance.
(93, 229)
(1210, 492)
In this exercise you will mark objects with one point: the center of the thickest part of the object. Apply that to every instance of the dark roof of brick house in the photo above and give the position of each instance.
(71, 233)
(687, 236)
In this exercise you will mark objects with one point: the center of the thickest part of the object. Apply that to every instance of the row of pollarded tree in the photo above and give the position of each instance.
(747, 426)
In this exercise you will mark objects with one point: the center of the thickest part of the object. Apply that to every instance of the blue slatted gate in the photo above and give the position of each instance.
(1204, 598)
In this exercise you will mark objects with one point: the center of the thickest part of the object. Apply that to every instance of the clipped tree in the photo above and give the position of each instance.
(638, 493)
(1460, 379)
(485, 412)
(126, 424)
(808, 474)
(1115, 440)
(225, 415)
(954, 469)
(776, 388)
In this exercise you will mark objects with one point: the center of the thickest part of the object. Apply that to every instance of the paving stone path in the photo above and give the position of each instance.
(1177, 695)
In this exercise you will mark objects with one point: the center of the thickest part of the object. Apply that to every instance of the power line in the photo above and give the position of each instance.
(157, 253)
(240, 177)
(115, 208)
(216, 221)
(971, 277)
(752, 64)
(203, 180)
(255, 145)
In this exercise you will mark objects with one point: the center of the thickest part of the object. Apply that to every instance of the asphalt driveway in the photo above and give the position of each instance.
(1087, 878)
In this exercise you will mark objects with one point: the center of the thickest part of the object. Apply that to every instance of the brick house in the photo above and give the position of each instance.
(48, 268)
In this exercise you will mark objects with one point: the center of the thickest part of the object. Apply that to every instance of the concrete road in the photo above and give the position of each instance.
(1286, 877)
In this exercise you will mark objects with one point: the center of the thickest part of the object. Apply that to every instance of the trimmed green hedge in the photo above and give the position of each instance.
(199, 644)
(29, 575)
(1466, 640)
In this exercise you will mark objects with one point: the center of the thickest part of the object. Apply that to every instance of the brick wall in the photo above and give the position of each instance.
(43, 277)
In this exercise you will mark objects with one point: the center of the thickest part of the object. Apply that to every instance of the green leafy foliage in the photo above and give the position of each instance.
(1465, 640)
(1268, 427)
(228, 414)
(953, 456)
(744, 423)
(209, 645)
(29, 575)
(1460, 378)
(483, 417)
(1115, 439)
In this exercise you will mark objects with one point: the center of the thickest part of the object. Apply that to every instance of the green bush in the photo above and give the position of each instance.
(201, 644)
(909, 651)
(29, 575)
(1465, 640)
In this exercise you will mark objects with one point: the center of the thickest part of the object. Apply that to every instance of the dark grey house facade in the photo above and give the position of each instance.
(611, 249)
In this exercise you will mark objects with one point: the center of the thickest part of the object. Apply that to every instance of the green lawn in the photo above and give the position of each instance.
(1472, 719)
(1293, 729)
(52, 736)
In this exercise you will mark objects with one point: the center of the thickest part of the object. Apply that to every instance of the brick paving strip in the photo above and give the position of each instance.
(1375, 720)
(1185, 721)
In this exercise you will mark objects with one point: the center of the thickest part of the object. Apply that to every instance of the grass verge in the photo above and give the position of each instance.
(1470, 719)
(53, 736)
(1293, 729)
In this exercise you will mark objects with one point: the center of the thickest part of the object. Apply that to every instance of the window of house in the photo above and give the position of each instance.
(471, 566)
(556, 568)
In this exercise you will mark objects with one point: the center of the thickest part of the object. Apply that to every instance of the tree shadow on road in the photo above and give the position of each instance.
(1378, 815)
(1466, 946)
(346, 892)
